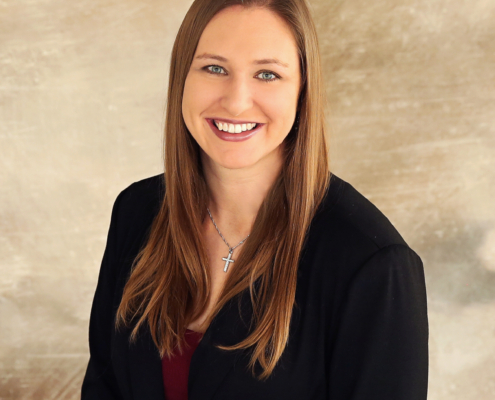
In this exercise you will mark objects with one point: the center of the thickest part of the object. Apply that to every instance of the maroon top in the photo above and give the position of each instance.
(176, 370)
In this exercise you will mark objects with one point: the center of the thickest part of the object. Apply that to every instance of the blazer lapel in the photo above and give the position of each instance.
(145, 369)
(210, 365)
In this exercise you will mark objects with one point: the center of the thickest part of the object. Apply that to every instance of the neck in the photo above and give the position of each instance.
(236, 194)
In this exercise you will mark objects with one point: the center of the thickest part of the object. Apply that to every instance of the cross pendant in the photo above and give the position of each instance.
(227, 262)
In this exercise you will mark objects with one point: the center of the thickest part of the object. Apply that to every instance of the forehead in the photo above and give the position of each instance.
(240, 33)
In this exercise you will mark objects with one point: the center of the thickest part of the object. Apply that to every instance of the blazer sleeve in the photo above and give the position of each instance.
(99, 381)
(381, 348)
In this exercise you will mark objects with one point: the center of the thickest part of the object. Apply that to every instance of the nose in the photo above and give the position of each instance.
(237, 96)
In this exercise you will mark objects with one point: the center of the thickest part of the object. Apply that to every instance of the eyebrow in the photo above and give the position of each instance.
(257, 62)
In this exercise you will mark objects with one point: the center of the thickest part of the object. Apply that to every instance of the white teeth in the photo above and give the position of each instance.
(234, 128)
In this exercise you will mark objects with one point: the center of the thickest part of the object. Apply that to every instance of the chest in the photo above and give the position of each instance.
(220, 375)
(300, 373)
(219, 260)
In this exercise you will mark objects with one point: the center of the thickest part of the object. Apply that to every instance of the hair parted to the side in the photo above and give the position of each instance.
(169, 275)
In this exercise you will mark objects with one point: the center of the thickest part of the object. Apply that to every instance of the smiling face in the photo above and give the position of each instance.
(245, 69)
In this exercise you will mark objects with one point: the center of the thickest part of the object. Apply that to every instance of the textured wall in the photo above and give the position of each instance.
(411, 89)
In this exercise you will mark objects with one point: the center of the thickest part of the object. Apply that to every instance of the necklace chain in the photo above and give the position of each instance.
(231, 249)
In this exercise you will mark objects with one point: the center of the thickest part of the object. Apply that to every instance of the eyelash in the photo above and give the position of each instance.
(206, 68)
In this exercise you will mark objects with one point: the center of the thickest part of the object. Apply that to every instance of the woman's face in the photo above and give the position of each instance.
(245, 70)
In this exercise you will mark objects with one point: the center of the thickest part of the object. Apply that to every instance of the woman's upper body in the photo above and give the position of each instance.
(338, 298)
(359, 329)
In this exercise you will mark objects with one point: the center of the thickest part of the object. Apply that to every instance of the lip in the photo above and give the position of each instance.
(231, 121)
(233, 137)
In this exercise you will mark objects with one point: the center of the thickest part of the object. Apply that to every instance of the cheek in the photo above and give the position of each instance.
(197, 94)
(186, 102)
(280, 107)
(191, 105)
(190, 98)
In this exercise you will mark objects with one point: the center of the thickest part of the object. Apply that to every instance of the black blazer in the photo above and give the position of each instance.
(359, 329)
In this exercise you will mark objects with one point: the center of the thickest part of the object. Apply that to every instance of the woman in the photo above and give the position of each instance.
(247, 270)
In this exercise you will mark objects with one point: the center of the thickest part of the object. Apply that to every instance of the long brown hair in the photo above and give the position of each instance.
(169, 285)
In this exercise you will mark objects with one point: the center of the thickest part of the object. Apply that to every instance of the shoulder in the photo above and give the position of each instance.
(134, 211)
(140, 200)
(138, 196)
(351, 243)
(348, 231)
(347, 212)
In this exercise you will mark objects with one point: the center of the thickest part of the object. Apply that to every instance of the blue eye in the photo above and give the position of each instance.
(213, 66)
(268, 73)
(216, 69)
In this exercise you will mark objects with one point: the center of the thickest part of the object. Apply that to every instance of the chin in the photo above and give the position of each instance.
(236, 161)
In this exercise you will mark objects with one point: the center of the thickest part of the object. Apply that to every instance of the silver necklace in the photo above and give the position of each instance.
(228, 259)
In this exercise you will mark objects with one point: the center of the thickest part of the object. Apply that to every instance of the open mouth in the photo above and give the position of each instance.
(234, 128)
(234, 132)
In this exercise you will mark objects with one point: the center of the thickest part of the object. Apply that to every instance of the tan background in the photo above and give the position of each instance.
(411, 89)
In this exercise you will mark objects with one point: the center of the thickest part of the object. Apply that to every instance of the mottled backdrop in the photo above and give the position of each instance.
(411, 107)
